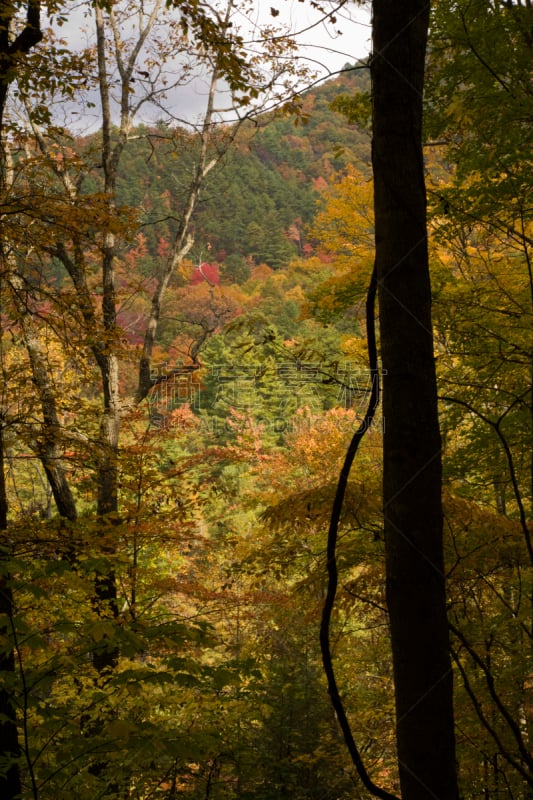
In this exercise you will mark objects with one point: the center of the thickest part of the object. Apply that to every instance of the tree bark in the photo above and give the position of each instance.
(13, 46)
(10, 786)
(412, 449)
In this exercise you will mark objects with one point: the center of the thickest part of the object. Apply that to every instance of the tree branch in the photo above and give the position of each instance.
(332, 567)
(512, 725)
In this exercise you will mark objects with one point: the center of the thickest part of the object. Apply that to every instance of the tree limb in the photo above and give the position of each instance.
(332, 567)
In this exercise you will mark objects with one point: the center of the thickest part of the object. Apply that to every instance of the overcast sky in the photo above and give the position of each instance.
(328, 46)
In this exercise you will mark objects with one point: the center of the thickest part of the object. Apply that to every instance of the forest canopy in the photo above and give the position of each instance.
(185, 355)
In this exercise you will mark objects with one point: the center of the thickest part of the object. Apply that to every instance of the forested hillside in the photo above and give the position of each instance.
(184, 361)
(257, 205)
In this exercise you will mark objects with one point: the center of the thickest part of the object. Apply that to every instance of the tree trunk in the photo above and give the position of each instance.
(412, 449)
(12, 46)
(10, 787)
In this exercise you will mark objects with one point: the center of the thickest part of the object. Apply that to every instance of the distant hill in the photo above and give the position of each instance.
(256, 205)
(326, 142)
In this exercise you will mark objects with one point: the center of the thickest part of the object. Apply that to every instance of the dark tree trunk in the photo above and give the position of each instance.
(12, 48)
(412, 448)
(10, 52)
(10, 787)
